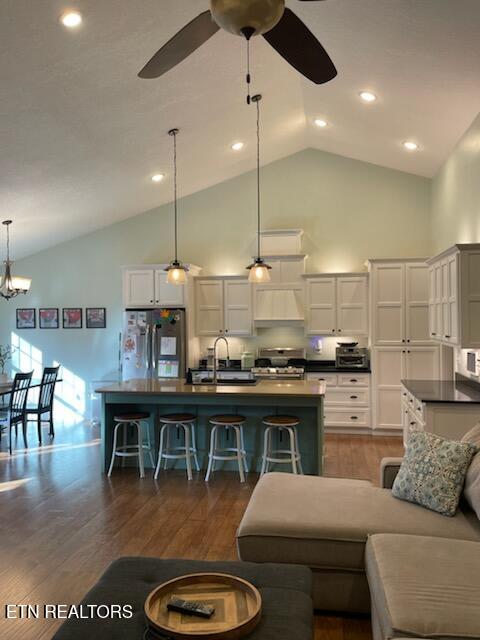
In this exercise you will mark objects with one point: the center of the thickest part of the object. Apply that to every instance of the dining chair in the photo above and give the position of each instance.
(16, 411)
(44, 407)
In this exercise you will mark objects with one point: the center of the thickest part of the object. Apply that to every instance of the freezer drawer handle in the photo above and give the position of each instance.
(353, 417)
(353, 397)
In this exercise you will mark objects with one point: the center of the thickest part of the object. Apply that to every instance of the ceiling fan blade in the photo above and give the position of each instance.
(192, 36)
(297, 44)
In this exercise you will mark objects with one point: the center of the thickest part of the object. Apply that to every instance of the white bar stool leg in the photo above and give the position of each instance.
(265, 451)
(293, 453)
(160, 451)
(240, 455)
(194, 446)
(244, 451)
(297, 446)
(211, 453)
(188, 451)
(140, 448)
(114, 448)
(167, 447)
(125, 439)
(149, 442)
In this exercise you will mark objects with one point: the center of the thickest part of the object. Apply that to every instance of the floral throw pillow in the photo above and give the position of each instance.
(433, 472)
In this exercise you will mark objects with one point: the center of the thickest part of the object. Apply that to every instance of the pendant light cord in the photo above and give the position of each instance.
(174, 132)
(257, 101)
(249, 78)
(8, 243)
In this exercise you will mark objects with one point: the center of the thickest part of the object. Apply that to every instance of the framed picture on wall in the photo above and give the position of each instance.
(48, 319)
(96, 317)
(72, 318)
(26, 319)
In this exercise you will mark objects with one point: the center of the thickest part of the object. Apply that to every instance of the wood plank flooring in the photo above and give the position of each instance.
(62, 522)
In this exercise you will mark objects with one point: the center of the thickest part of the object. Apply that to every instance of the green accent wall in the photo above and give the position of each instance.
(350, 211)
(456, 194)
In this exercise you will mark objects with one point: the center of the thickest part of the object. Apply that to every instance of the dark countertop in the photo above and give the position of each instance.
(460, 390)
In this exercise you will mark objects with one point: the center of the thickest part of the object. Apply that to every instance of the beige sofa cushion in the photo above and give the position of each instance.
(424, 586)
(471, 490)
(324, 522)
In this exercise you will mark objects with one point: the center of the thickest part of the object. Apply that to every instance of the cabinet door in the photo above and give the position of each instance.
(321, 301)
(416, 303)
(388, 370)
(423, 363)
(138, 288)
(209, 307)
(238, 308)
(166, 294)
(438, 301)
(432, 317)
(352, 305)
(451, 335)
(388, 306)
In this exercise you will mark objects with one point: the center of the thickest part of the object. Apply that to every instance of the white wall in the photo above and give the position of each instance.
(350, 211)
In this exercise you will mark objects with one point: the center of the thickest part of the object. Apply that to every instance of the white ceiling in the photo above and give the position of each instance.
(81, 134)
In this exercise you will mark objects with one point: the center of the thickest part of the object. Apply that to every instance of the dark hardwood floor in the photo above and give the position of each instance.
(62, 522)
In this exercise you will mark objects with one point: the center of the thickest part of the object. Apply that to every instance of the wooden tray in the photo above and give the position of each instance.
(238, 607)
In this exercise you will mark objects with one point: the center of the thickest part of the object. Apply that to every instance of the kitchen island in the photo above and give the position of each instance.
(303, 398)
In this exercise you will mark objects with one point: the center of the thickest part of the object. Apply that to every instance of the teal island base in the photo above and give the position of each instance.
(300, 398)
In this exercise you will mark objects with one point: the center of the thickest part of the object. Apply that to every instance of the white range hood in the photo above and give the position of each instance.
(282, 305)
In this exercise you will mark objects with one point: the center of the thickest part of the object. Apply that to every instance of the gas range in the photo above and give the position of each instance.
(275, 373)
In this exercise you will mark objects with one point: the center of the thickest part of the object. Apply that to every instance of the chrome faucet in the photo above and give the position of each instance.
(215, 356)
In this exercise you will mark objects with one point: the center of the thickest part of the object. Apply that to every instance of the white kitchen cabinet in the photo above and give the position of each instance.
(455, 297)
(390, 365)
(399, 294)
(223, 306)
(139, 288)
(147, 286)
(166, 294)
(347, 401)
(337, 304)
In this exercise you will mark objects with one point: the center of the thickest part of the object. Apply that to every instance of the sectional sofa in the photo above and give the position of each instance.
(417, 571)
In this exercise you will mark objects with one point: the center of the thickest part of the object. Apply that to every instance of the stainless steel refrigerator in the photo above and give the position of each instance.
(153, 343)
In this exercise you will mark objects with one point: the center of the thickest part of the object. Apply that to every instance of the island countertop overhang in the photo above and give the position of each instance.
(166, 387)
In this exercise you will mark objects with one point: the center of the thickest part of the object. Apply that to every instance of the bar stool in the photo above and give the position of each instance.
(135, 450)
(292, 455)
(227, 423)
(185, 421)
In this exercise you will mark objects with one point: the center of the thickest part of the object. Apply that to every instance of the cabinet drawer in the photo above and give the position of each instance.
(329, 378)
(353, 379)
(348, 397)
(347, 418)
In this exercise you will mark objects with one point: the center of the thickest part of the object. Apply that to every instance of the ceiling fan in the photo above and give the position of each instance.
(280, 27)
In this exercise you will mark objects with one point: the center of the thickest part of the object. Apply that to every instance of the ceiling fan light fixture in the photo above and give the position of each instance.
(247, 17)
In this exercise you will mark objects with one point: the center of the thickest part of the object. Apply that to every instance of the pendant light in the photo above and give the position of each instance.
(259, 269)
(176, 270)
(11, 286)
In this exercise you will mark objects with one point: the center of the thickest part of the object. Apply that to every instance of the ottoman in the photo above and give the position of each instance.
(285, 589)
(424, 587)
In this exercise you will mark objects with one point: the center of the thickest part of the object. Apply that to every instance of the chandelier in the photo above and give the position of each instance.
(11, 286)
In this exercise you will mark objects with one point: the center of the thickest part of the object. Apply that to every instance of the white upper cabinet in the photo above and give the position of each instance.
(454, 296)
(337, 305)
(399, 303)
(223, 306)
(166, 294)
(147, 286)
(139, 288)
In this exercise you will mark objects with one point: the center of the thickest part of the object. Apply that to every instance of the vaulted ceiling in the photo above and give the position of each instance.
(81, 134)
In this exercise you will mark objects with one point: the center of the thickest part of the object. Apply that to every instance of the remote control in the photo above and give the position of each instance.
(190, 608)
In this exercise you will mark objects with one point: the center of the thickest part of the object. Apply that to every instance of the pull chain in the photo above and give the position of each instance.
(249, 78)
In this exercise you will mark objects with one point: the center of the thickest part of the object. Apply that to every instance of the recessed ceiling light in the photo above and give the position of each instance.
(71, 19)
(158, 177)
(410, 145)
(320, 123)
(237, 146)
(368, 96)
